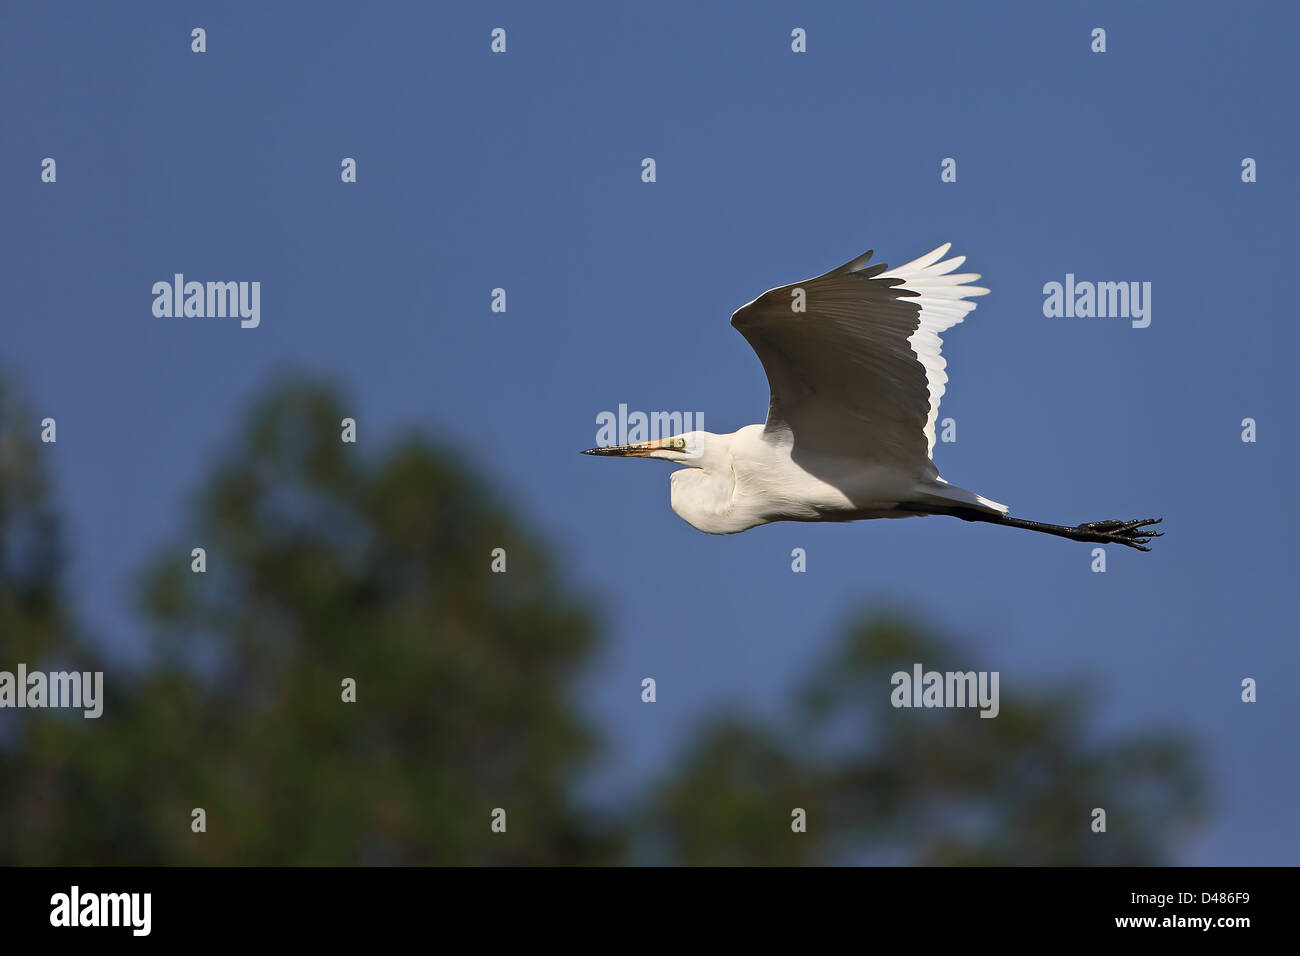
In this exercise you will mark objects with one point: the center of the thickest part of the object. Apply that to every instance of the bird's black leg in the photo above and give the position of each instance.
(1133, 534)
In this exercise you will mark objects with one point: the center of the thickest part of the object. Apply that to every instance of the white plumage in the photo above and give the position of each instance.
(942, 300)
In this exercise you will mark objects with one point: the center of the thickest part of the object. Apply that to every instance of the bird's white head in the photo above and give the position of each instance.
(702, 491)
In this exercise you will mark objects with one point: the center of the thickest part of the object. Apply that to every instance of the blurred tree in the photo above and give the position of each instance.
(32, 622)
(325, 562)
(34, 627)
(931, 786)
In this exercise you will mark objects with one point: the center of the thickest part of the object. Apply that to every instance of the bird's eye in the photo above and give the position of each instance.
(681, 443)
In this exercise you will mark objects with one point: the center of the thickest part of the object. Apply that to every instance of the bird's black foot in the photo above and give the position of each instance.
(1134, 533)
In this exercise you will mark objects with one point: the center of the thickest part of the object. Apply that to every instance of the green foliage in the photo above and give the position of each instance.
(323, 565)
(938, 786)
(325, 562)
(31, 619)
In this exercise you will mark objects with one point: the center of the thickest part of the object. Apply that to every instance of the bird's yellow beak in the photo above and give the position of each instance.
(640, 449)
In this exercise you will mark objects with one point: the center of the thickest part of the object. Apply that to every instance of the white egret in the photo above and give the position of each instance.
(855, 373)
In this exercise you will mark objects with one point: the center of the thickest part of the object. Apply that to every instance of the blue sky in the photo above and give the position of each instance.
(522, 171)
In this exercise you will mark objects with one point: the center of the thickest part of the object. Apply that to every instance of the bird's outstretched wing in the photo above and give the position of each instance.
(858, 374)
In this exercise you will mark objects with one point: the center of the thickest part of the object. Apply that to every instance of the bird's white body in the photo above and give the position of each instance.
(753, 481)
(747, 479)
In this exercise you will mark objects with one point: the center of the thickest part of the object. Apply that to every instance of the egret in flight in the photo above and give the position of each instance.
(855, 373)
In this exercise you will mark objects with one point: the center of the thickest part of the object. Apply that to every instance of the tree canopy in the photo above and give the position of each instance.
(325, 564)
